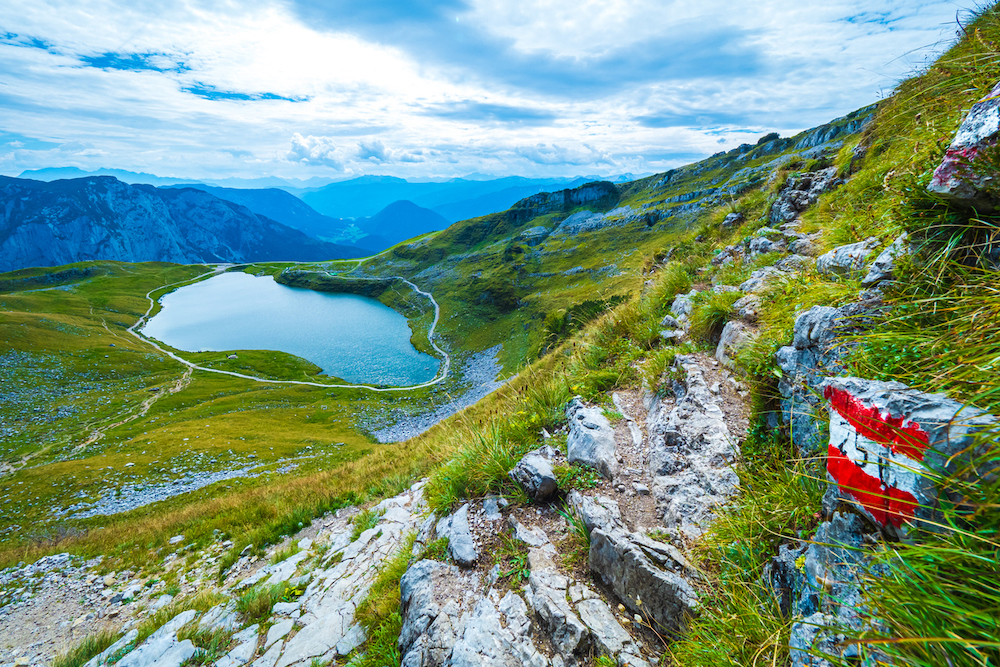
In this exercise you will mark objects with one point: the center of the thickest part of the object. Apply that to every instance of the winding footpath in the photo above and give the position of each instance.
(441, 376)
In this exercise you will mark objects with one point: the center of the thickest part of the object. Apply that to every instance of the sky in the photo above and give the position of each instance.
(452, 88)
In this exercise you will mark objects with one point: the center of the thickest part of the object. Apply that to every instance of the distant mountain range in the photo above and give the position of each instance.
(136, 177)
(278, 205)
(457, 199)
(454, 199)
(397, 222)
(100, 217)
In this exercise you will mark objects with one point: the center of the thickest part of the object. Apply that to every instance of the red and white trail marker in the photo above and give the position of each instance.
(889, 443)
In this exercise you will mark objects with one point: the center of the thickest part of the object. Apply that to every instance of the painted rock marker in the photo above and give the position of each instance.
(889, 445)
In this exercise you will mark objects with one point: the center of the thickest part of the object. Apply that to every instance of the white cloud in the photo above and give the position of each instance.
(369, 107)
(315, 151)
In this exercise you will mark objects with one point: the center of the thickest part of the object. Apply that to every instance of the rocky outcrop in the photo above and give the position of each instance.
(534, 474)
(591, 440)
(846, 260)
(599, 194)
(889, 445)
(800, 192)
(47, 224)
(957, 177)
(885, 264)
(691, 453)
(735, 336)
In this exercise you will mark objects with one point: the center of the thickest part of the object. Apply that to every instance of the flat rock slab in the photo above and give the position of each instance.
(591, 440)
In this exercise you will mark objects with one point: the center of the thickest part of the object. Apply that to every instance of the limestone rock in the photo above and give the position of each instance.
(814, 326)
(428, 633)
(162, 648)
(548, 598)
(460, 543)
(761, 279)
(885, 263)
(805, 246)
(847, 259)
(607, 633)
(800, 192)
(623, 566)
(746, 307)
(889, 443)
(954, 178)
(691, 454)
(591, 439)
(735, 336)
(534, 474)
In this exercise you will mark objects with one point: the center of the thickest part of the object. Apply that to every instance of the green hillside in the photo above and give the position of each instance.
(574, 286)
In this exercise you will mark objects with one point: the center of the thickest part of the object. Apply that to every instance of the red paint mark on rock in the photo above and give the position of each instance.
(885, 504)
(909, 440)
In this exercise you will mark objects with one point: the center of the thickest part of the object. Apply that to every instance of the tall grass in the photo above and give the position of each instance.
(379, 612)
(90, 646)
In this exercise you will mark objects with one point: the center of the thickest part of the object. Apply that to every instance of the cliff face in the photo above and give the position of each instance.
(48, 224)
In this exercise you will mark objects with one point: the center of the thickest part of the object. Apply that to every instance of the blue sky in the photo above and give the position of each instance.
(337, 88)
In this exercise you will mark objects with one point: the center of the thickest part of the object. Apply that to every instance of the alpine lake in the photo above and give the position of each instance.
(352, 337)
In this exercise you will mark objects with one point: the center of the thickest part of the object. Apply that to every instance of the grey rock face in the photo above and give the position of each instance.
(682, 306)
(623, 566)
(486, 640)
(814, 326)
(607, 633)
(847, 259)
(887, 437)
(637, 568)
(795, 263)
(954, 178)
(732, 220)
(762, 245)
(534, 474)
(446, 623)
(460, 543)
(883, 266)
(783, 577)
(162, 648)
(428, 633)
(746, 307)
(691, 455)
(800, 192)
(735, 336)
(805, 246)
(548, 598)
(591, 439)
(761, 279)
(809, 642)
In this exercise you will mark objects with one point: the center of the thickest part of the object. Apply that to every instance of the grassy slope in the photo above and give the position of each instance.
(60, 333)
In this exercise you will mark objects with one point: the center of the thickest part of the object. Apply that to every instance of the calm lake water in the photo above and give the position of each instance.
(351, 337)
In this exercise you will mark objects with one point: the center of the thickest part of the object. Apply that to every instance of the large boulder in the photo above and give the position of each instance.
(591, 440)
(534, 474)
(889, 444)
(846, 260)
(956, 177)
(735, 336)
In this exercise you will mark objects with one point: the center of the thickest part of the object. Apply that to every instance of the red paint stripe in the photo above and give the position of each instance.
(910, 440)
(886, 504)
